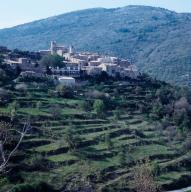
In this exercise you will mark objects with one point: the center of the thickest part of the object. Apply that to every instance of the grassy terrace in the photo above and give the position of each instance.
(47, 143)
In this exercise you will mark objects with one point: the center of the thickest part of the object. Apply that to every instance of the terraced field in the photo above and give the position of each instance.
(107, 148)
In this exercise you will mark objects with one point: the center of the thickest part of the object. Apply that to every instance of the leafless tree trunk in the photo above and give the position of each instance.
(4, 134)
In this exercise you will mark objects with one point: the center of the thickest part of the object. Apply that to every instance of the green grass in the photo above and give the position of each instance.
(33, 112)
(96, 156)
(172, 176)
(47, 148)
(5, 110)
(141, 152)
(71, 111)
(62, 157)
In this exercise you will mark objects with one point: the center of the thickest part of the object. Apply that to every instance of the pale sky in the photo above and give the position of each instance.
(15, 12)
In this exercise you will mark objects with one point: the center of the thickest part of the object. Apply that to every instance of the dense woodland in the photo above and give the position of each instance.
(104, 134)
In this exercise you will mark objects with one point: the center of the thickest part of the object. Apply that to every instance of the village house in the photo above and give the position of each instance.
(24, 64)
(21, 62)
(67, 81)
(32, 74)
(70, 69)
(131, 71)
(94, 63)
(92, 70)
(111, 69)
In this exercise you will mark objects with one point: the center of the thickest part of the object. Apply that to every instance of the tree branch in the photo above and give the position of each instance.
(3, 165)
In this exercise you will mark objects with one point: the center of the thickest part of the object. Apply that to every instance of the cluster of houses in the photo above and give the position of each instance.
(76, 64)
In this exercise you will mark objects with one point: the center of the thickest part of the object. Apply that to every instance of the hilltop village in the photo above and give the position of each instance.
(74, 65)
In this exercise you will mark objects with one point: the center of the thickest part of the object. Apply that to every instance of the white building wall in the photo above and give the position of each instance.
(68, 81)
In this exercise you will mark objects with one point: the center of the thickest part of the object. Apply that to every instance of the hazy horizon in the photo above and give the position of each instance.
(18, 12)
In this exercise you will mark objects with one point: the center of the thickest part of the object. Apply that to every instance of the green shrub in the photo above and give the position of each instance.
(64, 91)
(99, 107)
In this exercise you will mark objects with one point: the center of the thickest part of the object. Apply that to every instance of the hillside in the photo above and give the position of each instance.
(75, 145)
(156, 39)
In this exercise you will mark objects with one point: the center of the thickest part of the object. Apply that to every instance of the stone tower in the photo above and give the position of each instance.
(71, 49)
(53, 47)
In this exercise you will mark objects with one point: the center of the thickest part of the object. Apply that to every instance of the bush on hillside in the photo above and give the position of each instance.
(86, 105)
(99, 107)
(5, 96)
(97, 94)
(187, 144)
(64, 91)
(29, 79)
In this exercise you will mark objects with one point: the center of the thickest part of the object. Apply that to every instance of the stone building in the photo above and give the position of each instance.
(68, 81)
(78, 63)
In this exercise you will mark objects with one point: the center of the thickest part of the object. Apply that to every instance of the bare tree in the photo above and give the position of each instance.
(6, 134)
(144, 178)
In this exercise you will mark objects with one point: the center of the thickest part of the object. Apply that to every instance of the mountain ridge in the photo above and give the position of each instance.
(155, 39)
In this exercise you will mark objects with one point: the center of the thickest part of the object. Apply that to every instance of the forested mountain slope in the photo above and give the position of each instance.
(157, 40)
